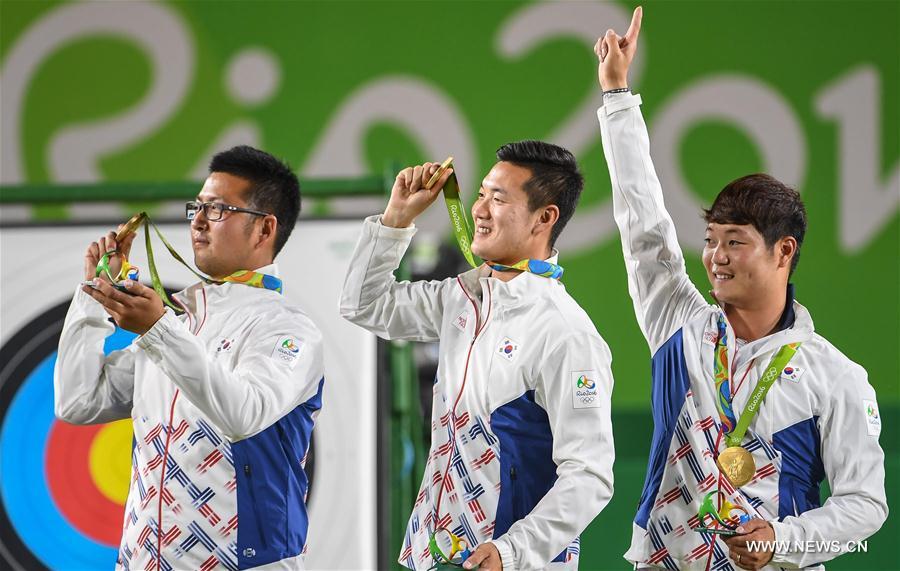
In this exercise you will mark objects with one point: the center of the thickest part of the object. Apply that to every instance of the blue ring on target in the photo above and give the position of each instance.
(24, 484)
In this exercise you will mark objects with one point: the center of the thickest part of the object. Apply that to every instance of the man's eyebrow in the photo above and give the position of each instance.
(729, 230)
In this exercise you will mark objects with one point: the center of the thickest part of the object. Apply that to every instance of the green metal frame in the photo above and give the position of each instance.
(181, 190)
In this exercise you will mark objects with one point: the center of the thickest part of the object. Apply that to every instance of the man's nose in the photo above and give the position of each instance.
(480, 209)
(199, 220)
(720, 256)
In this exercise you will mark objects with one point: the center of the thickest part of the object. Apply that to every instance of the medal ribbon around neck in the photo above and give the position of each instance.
(737, 462)
(128, 271)
(723, 383)
(536, 267)
(459, 219)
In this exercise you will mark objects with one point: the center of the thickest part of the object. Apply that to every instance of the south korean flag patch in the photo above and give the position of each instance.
(287, 349)
(508, 349)
(792, 374)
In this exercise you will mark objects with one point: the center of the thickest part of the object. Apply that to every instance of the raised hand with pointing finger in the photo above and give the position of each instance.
(617, 52)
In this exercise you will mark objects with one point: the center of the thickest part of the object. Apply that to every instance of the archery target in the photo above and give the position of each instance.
(63, 486)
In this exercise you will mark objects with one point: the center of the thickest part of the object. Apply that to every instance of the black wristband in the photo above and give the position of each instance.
(617, 90)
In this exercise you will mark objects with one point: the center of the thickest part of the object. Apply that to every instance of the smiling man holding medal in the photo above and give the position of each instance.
(223, 393)
(752, 409)
(521, 442)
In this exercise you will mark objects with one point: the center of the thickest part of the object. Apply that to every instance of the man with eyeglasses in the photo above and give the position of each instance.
(223, 397)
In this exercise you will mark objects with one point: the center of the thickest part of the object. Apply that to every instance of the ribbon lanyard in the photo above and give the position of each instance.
(459, 219)
(736, 462)
(735, 431)
(246, 277)
(537, 267)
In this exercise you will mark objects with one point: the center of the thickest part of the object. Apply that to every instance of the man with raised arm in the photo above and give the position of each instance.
(752, 409)
(521, 443)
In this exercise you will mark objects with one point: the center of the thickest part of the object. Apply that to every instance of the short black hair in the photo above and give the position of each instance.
(274, 187)
(555, 178)
(772, 207)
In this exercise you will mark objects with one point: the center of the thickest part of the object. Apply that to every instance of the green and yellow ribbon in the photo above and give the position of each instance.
(459, 219)
(129, 271)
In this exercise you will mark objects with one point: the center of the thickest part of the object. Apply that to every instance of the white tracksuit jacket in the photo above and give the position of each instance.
(223, 400)
(526, 453)
(819, 420)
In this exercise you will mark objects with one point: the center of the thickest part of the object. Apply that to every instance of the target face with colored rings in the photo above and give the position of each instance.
(63, 487)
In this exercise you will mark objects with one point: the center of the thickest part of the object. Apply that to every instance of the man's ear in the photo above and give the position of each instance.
(267, 231)
(786, 249)
(548, 217)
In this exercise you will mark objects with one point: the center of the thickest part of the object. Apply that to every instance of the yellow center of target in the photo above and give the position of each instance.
(110, 460)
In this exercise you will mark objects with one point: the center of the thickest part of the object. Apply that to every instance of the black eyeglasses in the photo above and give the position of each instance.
(215, 210)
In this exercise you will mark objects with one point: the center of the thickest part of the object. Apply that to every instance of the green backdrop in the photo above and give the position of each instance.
(815, 81)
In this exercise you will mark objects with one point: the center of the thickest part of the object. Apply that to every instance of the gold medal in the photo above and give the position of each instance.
(130, 227)
(737, 465)
(438, 173)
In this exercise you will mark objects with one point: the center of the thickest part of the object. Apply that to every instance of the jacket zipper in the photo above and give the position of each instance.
(162, 484)
(249, 474)
(162, 475)
(479, 327)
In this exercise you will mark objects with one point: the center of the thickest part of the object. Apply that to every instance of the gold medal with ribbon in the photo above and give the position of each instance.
(459, 219)
(736, 462)
(129, 271)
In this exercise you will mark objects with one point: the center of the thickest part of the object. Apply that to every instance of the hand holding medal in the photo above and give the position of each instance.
(737, 528)
(724, 515)
(108, 257)
(114, 265)
(448, 550)
(459, 217)
(410, 196)
(114, 279)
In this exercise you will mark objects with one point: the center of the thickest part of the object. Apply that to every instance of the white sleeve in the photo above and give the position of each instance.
(373, 299)
(267, 382)
(663, 295)
(854, 465)
(88, 386)
(583, 452)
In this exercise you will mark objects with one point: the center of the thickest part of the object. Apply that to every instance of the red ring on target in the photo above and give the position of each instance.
(72, 485)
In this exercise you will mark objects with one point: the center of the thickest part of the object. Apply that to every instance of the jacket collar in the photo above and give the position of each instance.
(788, 315)
(794, 326)
(524, 288)
(217, 293)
